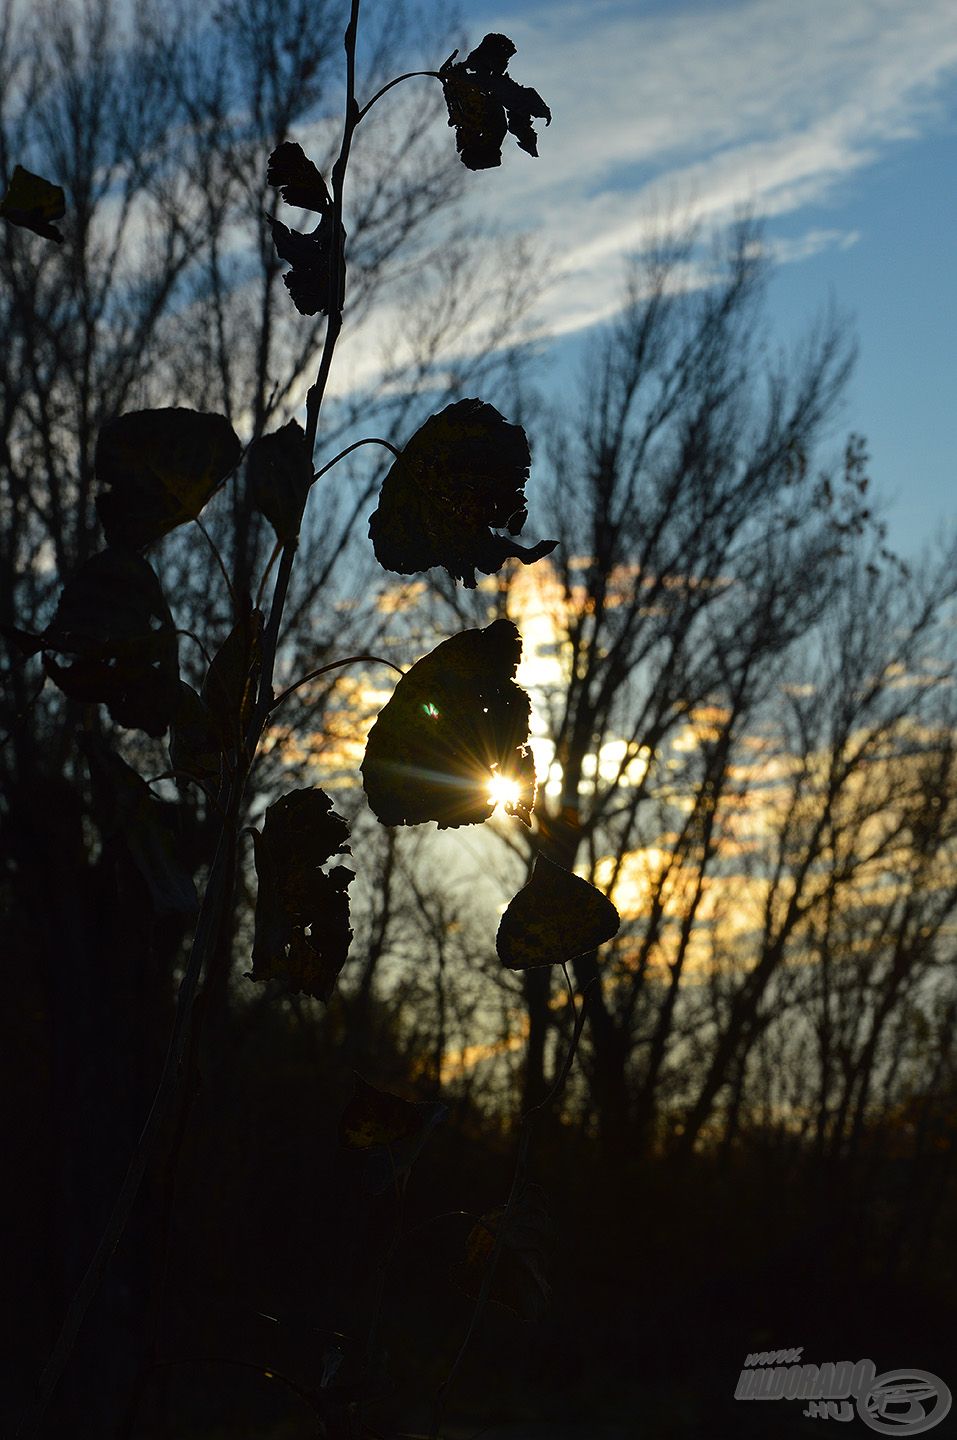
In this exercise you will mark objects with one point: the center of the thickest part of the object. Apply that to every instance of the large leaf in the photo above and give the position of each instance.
(113, 622)
(34, 203)
(126, 806)
(556, 917)
(461, 477)
(302, 911)
(389, 1130)
(315, 257)
(520, 1281)
(484, 104)
(279, 471)
(158, 469)
(455, 719)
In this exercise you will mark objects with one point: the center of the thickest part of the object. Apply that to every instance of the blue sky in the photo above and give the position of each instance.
(835, 120)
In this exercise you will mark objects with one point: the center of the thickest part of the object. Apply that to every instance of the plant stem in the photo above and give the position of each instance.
(324, 669)
(409, 75)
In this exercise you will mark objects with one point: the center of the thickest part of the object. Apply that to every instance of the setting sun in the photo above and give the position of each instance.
(503, 790)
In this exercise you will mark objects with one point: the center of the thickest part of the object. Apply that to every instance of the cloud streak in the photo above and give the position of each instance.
(703, 109)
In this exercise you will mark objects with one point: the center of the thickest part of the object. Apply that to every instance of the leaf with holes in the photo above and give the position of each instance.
(459, 479)
(113, 623)
(279, 471)
(556, 917)
(485, 104)
(520, 1280)
(158, 468)
(302, 911)
(455, 720)
(33, 203)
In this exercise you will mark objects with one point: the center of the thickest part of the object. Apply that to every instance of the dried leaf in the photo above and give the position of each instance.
(454, 719)
(113, 621)
(389, 1130)
(315, 258)
(127, 806)
(520, 1282)
(33, 203)
(461, 477)
(485, 103)
(556, 917)
(279, 471)
(229, 689)
(302, 911)
(160, 468)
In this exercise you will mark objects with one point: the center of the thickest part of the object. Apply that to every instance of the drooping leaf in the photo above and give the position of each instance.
(34, 203)
(279, 471)
(126, 806)
(195, 747)
(454, 719)
(317, 257)
(229, 689)
(113, 622)
(520, 1282)
(485, 103)
(556, 917)
(158, 469)
(298, 180)
(389, 1130)
(459, 479)
(302, 911)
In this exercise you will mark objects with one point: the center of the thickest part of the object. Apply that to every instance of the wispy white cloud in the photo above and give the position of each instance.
(767, 103)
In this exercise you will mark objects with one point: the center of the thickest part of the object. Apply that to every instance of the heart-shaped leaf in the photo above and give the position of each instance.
(33, 203)
(461, 477)
(556, 917)
(113, 621)
(159, 468)
(302, 911)
(484, 104)
(456, 720)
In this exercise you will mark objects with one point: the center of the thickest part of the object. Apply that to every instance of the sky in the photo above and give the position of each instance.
(834, 121)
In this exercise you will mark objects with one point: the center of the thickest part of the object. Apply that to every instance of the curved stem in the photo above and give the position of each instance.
(371, 440)
(409, 75)
(323, 669)
(218, 558)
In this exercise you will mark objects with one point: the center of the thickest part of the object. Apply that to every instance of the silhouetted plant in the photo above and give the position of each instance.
(456, 720)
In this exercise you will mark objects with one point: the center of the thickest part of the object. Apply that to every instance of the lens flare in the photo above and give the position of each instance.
(502, 790)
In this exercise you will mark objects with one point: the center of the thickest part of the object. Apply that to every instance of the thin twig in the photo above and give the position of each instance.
(370, 440)
(219, 560)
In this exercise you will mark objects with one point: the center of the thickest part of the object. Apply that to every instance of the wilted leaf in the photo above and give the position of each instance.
(279, 471)
(520, 1282)
(229, 689)
(302, 911)
(391, 1131)
(314, 257)
(460, 477)
(113, 621)
(484, 104)
(126, 806)
(556, 917)
(160, 468)
(453, 719)
(298, 180)
(33, 202)
(194, 746)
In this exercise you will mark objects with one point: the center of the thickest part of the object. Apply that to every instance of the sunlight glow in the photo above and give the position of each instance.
(503, 791)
